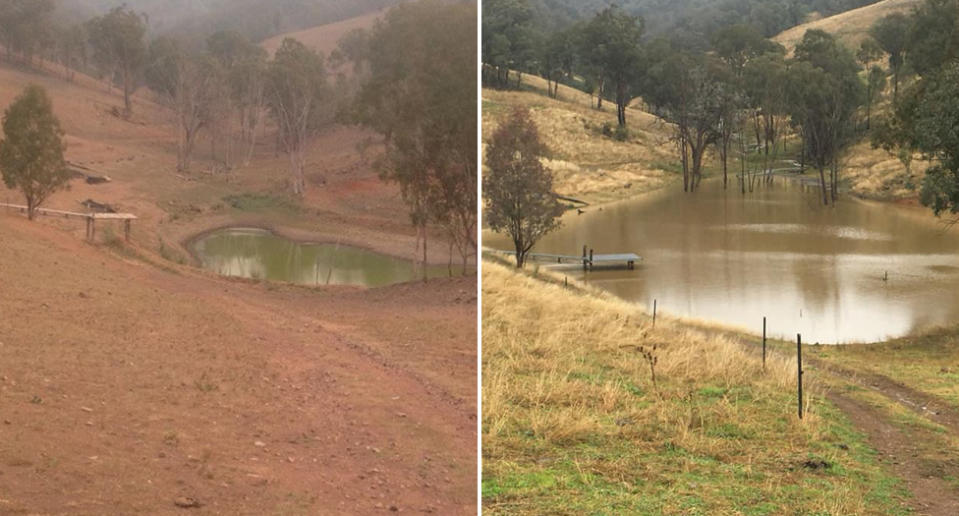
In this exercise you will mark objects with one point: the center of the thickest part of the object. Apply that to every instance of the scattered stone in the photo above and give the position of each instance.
(401, 414)
(186, 502)
(86, 409)
(259, 444)
(394, 508)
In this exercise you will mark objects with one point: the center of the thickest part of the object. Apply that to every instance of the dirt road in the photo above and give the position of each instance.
(912, 452)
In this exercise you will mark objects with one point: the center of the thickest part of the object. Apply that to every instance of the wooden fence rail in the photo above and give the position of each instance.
(90, 218)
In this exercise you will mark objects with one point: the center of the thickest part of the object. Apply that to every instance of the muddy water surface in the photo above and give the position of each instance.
(776, 252)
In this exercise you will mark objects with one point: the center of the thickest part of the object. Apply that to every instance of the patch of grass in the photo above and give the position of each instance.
(572, 423)
(262, 202)
(170, 254)
(928, 363)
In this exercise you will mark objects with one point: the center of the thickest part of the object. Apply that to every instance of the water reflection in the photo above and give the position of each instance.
(776, 252)
(255, 253)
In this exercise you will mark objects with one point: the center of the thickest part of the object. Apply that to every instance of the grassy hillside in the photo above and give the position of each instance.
(574, 424)
(850, 27)
(588, 162)
(869, 173)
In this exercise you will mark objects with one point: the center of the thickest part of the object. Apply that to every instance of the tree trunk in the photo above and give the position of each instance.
(599, 95)
(127, 91)
(425, 276)
(724, 154)
(822, 182)
(684, 156)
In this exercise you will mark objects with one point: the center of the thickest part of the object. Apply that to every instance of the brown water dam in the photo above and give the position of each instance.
(853, 272)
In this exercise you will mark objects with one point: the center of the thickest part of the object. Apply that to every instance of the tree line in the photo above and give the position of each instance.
(922, 48)
(411, 78)
(742, 96)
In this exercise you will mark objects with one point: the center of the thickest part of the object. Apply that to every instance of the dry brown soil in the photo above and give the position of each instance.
(126, 387)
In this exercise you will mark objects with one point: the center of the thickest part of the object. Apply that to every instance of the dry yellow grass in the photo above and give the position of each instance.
(587, 164)
(850, 26)
(573, 423)
(877, 174)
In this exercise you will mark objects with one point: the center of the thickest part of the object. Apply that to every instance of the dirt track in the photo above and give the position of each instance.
(125, 388)
(909, 454)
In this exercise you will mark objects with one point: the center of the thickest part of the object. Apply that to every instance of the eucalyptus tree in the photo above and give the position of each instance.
(25, 26)
(766, 79)
(243, 80)
(611, 44)
(119, 48)
(421, 97)
(297, 95)
(892, 33)
(825, 92)
(508, 40)
(31, 152)
(185, 81)
(688, 91)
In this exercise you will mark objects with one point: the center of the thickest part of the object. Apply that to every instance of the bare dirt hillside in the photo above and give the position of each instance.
(125, 388)
(325, 37)
(345, 202)
(131, 382)
(850, 26)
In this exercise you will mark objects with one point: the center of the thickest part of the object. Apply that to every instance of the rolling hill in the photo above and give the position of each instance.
(850, 26)
(324, 38)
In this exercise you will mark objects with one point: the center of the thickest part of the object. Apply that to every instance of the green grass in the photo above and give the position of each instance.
(261, 202)
(572, 423)
(928, 363)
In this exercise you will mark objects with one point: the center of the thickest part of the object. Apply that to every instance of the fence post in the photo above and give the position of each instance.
(654, 313)
(764, 343)
(799, 375)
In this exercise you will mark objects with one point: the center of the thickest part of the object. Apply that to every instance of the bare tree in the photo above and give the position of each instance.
(185, 81)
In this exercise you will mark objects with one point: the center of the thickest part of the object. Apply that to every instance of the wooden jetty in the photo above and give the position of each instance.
(91, 218)
(588, 259)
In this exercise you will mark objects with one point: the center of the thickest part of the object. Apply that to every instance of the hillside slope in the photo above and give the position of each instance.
(125, 387)
(324, 38)
(850, 26)
(345, 201)
(575, 421)
(588, 163)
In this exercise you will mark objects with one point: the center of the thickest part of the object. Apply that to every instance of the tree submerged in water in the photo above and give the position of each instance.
(518, 189)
